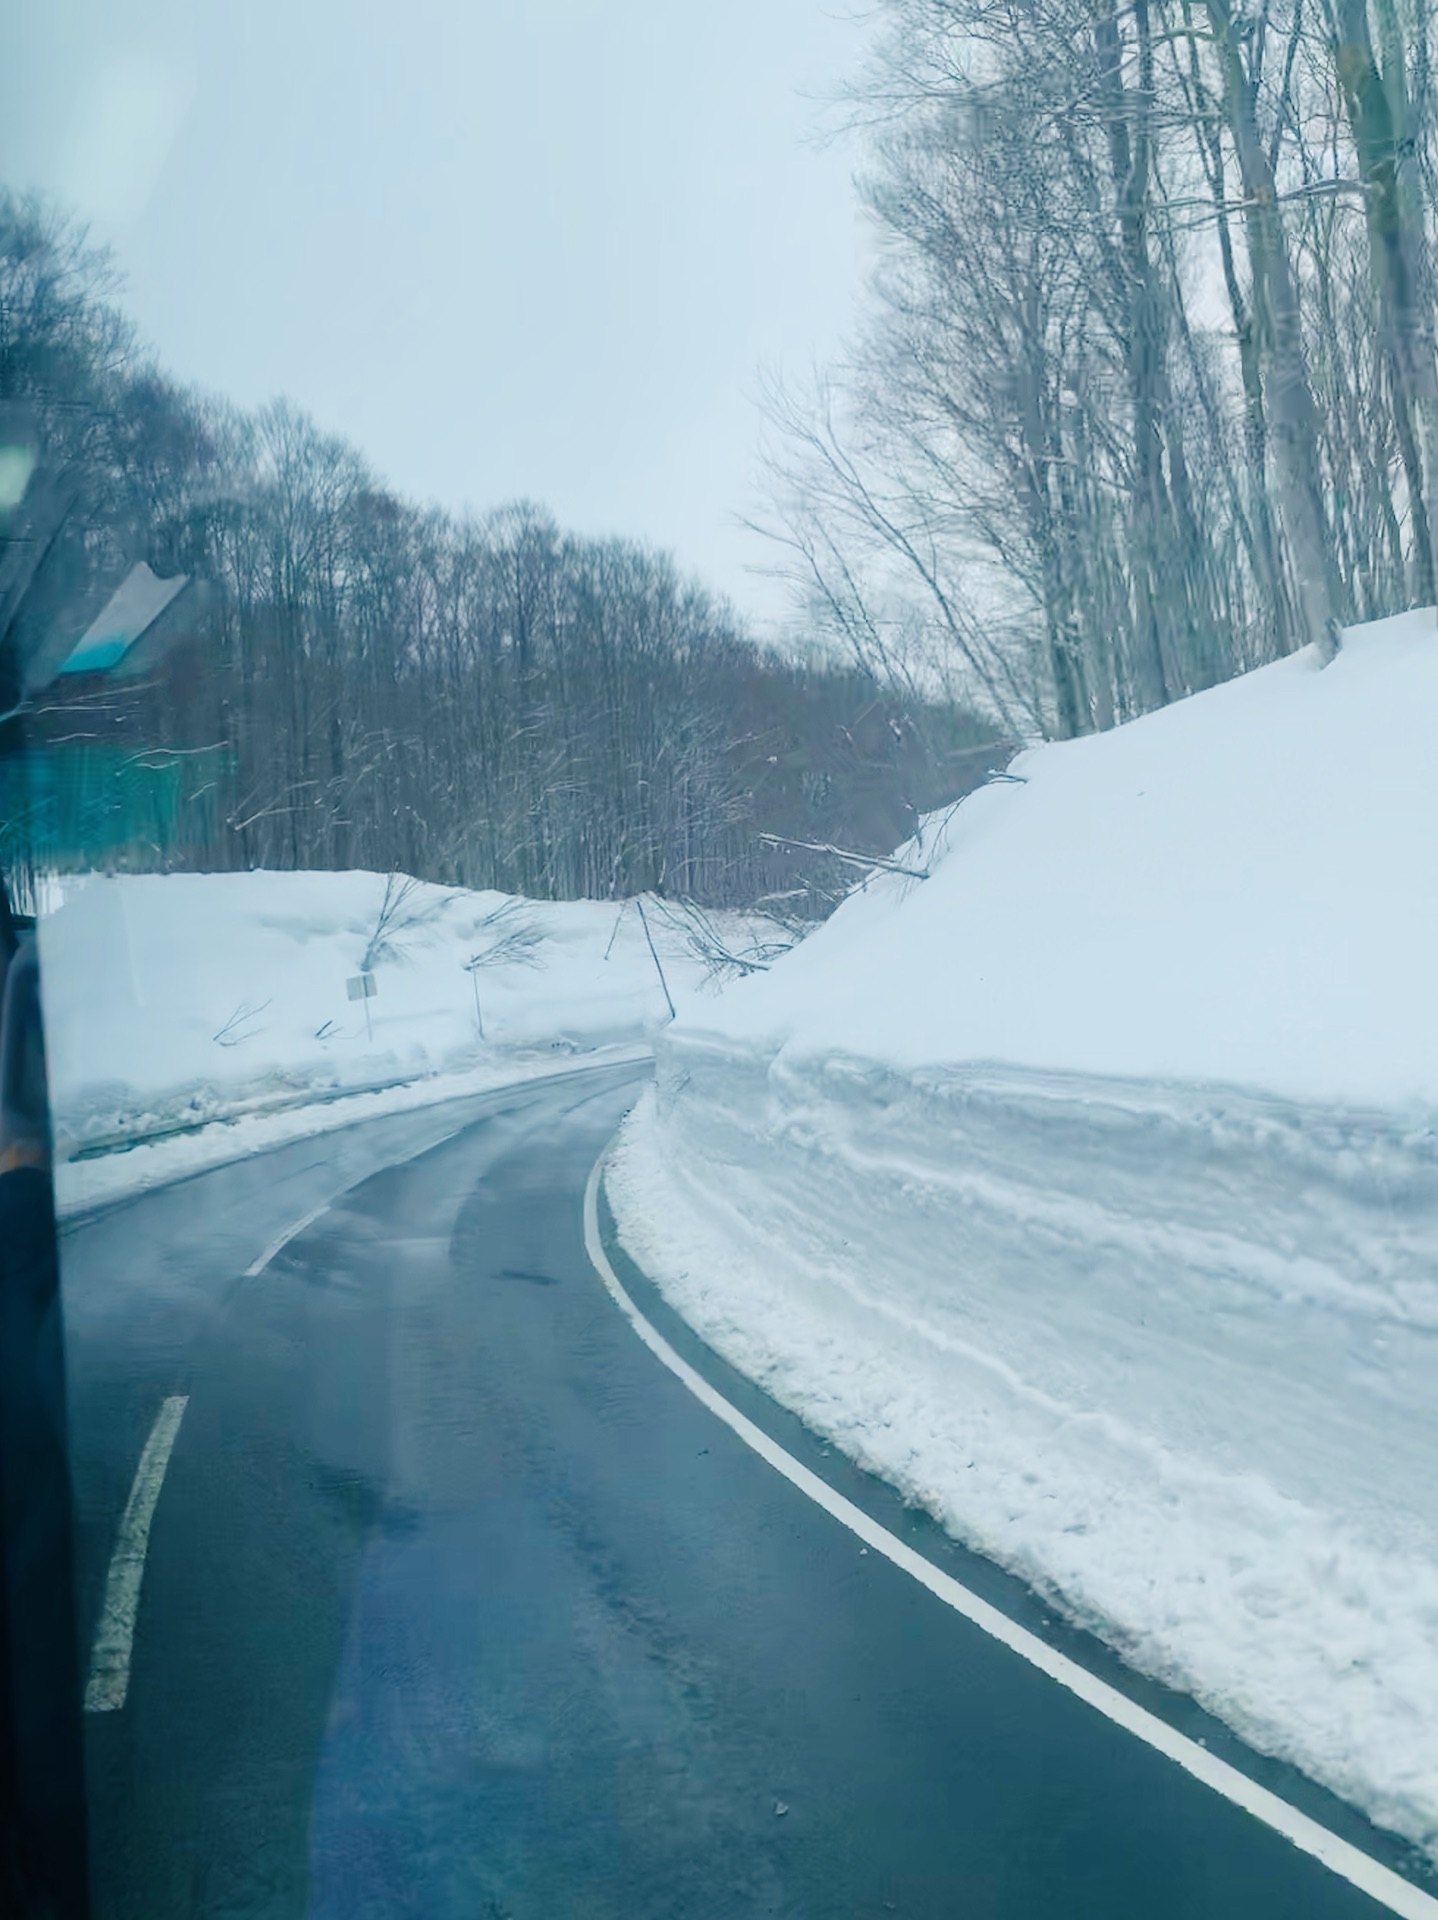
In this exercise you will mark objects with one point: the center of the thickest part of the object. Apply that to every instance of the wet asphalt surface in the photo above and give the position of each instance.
(458, 1604)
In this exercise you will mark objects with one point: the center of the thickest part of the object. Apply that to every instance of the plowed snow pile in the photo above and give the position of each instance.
(1088, 1189)
(210, 1014)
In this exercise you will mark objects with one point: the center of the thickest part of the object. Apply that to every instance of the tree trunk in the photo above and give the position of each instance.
(1377, 117)
(1275, 292)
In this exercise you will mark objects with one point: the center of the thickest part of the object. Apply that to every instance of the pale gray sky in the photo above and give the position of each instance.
(508, 247)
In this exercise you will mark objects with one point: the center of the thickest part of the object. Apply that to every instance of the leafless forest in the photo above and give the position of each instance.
(1147, 394)
(364, 683)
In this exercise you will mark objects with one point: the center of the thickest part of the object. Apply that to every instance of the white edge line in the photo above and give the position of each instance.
(115, 1636)
(1370, 1876)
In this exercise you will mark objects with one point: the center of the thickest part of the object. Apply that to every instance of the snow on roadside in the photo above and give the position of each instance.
(1089, 1192)
(83, 1185)
(215, 1009)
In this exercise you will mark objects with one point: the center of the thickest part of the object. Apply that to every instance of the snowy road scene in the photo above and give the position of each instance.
(719, 960)
(1153, 1343)
(552, 1592)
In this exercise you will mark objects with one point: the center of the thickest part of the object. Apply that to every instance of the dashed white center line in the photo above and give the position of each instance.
(115, 1636)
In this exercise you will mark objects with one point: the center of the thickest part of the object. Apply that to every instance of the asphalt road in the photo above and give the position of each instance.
(457, 1603)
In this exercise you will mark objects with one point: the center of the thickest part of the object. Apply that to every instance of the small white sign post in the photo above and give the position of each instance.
(363, 987)
(472, 967)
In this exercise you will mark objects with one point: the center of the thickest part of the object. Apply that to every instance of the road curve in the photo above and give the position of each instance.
(457, 1603)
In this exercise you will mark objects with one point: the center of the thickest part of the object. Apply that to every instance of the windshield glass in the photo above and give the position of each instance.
(717, 1075)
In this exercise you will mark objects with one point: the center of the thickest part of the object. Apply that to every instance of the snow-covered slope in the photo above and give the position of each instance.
(1089, 1190)
(1241, 888)
(177, 999)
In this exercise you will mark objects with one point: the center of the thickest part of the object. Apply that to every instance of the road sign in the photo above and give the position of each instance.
(363, 986)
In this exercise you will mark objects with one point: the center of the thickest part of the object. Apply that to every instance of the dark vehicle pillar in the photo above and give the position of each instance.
(42, 1799)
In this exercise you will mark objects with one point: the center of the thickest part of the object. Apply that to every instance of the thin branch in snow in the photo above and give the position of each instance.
(870, 860)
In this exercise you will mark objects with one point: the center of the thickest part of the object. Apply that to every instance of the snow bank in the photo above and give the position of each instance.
(1089, 1191)
(124, 1171)
(1241, 888)
(177, 1000)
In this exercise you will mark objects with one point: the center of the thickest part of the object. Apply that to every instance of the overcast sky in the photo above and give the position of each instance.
(508, 247)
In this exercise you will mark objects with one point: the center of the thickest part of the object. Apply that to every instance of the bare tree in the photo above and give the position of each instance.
(1051, 453)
